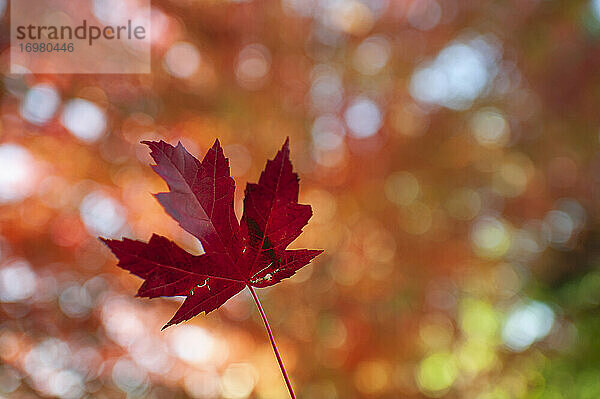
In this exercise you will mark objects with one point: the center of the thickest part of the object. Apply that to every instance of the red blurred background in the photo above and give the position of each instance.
(449, 150)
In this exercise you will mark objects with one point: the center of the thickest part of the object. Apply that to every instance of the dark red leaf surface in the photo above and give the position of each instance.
(200, 199)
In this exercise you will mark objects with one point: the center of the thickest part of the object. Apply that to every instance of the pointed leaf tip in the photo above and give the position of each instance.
(286, 145)
(149, 143)
(216, 145)
(285, 148)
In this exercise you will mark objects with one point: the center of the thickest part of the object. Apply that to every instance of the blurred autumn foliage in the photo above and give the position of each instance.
(449, 150)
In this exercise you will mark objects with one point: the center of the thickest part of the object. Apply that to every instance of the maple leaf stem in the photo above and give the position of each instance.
(268, 327)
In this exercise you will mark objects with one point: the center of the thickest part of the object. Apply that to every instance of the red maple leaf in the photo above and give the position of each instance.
(236, 255)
